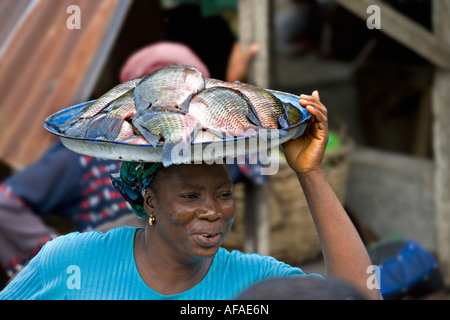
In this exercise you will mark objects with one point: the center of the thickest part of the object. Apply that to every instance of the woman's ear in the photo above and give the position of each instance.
(149, 199)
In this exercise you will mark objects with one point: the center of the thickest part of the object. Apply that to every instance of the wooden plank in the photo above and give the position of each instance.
(12, 13)
(404, 31)
(441, 145)
(255, 27)
(45, 68)
(256, 219)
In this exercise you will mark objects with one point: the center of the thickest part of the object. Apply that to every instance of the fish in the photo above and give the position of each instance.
(133, 139)
(107, 124)
(75, 126)
(211, 82)
(270, 110)
(171, 86)
(177, 128)
(206, 136)
(224, 110)
(290, 102)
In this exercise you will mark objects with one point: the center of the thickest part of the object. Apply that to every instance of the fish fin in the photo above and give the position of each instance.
(176, 153)
(194, 132)
(185, 105)
(108, 128)
(152, 139)
(56, 127)
(220, 133)
(252, 115)
(77, 129)
(283, 121)
(65, 126)
(140, 103)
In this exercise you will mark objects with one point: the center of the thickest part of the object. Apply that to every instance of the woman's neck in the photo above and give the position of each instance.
(163, 272)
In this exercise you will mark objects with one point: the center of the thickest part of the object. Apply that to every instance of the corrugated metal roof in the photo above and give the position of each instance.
(45, 66)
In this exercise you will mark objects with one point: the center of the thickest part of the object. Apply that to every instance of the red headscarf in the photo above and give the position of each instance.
(158, 55)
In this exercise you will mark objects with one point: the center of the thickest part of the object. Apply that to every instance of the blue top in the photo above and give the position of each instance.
(95, 266)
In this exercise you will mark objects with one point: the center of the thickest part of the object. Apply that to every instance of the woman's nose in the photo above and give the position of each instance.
(208, 211)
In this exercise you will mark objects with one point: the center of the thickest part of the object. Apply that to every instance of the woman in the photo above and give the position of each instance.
(177, 255)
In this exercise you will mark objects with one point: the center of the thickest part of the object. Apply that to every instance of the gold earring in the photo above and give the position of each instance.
(151, 220)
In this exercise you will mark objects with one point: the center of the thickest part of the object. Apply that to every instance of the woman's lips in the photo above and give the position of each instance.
(208, 239)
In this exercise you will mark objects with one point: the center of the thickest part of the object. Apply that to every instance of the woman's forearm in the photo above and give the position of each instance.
(344, 253)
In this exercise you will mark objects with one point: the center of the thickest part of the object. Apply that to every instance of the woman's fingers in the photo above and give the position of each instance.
(314, 107)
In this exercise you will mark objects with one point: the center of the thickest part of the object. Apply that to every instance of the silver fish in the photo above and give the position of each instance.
(106, 125)
(76, 125)
(206, 136)
(171, 86)
(177, 128)
(223, 110)
(271, 111)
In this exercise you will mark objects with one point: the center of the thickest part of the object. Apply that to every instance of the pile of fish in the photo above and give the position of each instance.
(176, 105)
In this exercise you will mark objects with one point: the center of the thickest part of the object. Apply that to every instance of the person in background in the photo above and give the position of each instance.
(302, 288)
(63, 183)
(407, 271)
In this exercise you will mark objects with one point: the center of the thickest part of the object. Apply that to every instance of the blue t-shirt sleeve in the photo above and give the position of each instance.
(241, 270)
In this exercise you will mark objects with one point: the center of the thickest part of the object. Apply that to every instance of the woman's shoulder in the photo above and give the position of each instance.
(255, 263)
(80, 242)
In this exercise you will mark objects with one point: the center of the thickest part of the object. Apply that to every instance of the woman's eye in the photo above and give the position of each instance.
(189, 196)
(226, 195)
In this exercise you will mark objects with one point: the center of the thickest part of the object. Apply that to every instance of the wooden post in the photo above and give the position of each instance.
(255, 27)
(435, 47)
(441, 138)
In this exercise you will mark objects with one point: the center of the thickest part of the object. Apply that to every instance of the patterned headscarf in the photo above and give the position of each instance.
(132, 180)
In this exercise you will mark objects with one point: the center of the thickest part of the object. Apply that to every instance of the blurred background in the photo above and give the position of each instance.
(386, 91)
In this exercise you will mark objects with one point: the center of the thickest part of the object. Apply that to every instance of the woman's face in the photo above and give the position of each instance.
(194, 208)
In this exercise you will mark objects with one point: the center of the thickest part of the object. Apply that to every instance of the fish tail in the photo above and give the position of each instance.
(178, 152)
(76, 129)
(65, 126)
(103, 126)
(56, 127)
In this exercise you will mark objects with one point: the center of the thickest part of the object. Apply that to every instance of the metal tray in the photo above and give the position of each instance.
(205, 151)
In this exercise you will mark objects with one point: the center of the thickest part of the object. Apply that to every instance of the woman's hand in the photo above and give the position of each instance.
(305, 154)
